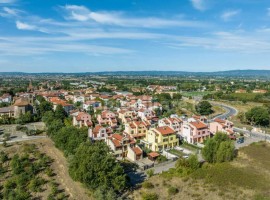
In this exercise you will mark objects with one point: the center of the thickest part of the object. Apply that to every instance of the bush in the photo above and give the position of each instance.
(147, 185)
(149, 196)
(150, 172)
(172, 190)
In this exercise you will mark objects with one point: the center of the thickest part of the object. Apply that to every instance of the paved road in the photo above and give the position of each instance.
(230, 111)
(253, 136)
(12, 140)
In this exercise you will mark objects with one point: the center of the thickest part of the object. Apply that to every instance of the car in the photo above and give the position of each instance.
(186, 157)
(240, 140)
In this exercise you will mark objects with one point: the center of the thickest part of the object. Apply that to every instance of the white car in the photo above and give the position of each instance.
(186, 157)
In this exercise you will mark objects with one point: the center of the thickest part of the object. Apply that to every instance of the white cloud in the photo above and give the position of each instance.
(199, 4)
(10, 12)
(24, 26)
(83, 14)
(268, 11)
(240, 42)
(228, 15)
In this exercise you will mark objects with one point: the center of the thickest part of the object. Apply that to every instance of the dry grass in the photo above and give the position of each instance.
(247, 177)
(73, 189)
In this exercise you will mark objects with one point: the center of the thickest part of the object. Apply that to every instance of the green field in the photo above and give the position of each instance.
(192, 94)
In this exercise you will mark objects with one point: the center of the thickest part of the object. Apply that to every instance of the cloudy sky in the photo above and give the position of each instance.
(112, 35)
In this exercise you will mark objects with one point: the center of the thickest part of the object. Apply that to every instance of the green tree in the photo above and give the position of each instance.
(94, 166)
(225, 151)
(204, 108)
(258, 116)
(60, 113)
(218, 149)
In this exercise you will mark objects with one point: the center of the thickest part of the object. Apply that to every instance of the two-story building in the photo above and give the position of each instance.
(161, 138)
(195, 131)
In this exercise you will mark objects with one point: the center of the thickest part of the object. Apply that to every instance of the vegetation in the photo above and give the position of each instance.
(204, 108)
(95, 167)
(246, 177)
(23, 173)
(218, 149)
(89, 163)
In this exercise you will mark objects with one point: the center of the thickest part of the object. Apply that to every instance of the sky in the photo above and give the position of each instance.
(134, 35)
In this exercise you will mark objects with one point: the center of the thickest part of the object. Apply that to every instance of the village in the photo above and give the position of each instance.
(130, 126)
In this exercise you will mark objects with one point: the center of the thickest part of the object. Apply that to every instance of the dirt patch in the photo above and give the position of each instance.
(75, 190)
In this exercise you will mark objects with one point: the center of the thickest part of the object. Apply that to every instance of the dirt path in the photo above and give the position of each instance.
(75, 190)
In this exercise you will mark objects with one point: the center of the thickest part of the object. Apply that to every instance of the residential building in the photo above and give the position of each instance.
(107, 118)
(99, 132)
(119, 144)
(81, 119)
(195, 131)
(161, 138)
(220, 125)
(137, 129)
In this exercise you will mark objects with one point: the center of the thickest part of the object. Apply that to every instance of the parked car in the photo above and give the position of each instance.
(240, 140)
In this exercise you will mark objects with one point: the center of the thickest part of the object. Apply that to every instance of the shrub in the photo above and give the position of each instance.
(172, 190)
(147, 185)
(149, 196)
(150, 172)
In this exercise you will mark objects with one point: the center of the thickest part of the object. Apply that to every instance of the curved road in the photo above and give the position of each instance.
(231, 111)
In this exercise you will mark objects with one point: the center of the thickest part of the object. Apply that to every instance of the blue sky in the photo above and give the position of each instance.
(112, 35)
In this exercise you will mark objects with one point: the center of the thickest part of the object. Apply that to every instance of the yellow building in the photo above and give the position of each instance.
(137, 129)
(161, 138)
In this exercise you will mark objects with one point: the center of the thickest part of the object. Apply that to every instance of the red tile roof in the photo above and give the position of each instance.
(165, 130)
(199, 125)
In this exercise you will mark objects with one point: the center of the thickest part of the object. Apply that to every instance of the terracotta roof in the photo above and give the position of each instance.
(137, 151)
(21, 102)
(97, 128)
(117, 136)
(199, 125)
(220, 120)
(165, 130)
(116, 143)
(153, 154)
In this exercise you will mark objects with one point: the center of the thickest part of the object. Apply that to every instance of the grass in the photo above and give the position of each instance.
(247, 177)
(176, 152)
(195, 93)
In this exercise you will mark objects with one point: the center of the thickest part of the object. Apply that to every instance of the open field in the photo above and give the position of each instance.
(247, 177)
(71, 189)
(192, 94)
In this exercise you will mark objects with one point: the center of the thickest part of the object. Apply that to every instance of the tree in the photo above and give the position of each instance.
(218, 149)
(60, 113)
(95, 167)
(204, 108)
(44, 107)
(258, 116)
(225, 152)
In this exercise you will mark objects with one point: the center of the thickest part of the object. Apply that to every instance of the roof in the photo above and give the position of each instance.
(97, 128)
(21, 102)
(153, 154)
(7, 109)
(220, 120)
(199, 125)
(137, 151)
(165, 130)
(117, 136)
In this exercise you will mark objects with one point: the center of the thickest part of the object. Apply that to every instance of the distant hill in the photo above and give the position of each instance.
(232, 73)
